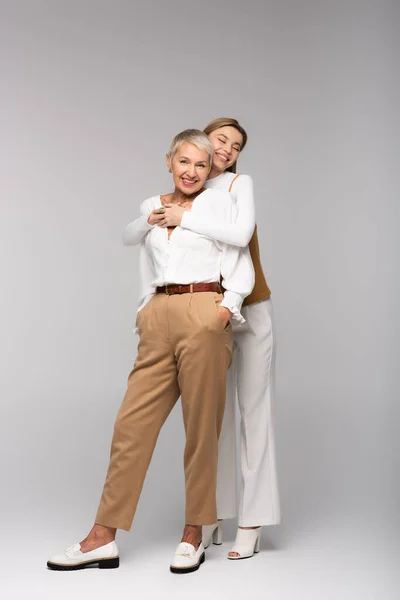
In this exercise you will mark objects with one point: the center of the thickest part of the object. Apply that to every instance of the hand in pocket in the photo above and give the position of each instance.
(224, 314)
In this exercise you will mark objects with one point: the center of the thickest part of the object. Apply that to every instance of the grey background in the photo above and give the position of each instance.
(91, 94)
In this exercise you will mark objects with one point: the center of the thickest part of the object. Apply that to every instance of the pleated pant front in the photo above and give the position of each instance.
(184, 350)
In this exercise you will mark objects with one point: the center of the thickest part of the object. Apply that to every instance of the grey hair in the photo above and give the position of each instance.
(191, 136)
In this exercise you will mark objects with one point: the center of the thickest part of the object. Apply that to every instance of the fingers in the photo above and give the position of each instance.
(159, 216)
(224, 314)
(156, 215)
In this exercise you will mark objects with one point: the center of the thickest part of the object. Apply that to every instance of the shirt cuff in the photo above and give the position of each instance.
(233, 302)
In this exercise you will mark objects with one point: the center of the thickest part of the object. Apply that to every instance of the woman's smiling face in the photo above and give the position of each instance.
(227, 143)
(190, 166)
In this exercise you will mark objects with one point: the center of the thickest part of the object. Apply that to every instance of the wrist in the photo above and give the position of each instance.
(226, 311)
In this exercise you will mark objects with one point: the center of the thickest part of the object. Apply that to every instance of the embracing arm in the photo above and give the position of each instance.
(237, 272)
(136, 231)
(237, 233)
(237, 279)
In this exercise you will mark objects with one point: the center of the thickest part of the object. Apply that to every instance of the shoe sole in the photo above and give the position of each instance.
(102, 563)
(182, 570)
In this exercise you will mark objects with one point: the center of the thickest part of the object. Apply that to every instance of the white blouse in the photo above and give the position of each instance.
(189, 257)
(238, 233)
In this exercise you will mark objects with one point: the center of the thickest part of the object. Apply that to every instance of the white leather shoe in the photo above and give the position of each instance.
(247, 543)
(213, 532)
(187, 559)
(106, 557)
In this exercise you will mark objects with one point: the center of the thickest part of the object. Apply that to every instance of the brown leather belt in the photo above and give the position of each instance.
(174, 288)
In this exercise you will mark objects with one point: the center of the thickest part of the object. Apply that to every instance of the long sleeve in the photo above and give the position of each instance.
(146, 275)
(236, 270)
(136, 231)
(237, 278)
(237, 233)
(146, 278)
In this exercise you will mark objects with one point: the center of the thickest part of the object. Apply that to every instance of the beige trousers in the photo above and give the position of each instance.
(184, 350)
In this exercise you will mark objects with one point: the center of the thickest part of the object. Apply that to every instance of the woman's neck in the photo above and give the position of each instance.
(214, 173)
(177, 196)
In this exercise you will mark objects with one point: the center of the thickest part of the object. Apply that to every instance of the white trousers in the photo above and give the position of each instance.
(251, 382)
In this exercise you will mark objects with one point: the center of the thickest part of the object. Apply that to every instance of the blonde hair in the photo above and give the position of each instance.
(191, 136)
(227, 122)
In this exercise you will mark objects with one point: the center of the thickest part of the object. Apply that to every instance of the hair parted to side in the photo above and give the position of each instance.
(191, 136)
(227, 122)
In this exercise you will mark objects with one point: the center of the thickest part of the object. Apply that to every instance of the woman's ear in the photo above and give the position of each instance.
(168, 161)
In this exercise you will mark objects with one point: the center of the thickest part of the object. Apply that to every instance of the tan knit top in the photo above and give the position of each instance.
(260, 289)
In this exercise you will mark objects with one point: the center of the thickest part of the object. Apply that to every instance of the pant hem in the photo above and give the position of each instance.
(200, 521)
(259, 523)
(115, 523)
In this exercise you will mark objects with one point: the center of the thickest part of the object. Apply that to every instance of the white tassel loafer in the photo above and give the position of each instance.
(212, 532)
(106, 557)
(246, 544)
(187, 559)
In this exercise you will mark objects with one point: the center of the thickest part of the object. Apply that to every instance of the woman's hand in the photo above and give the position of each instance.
(156, 216)
(225, 314)
(172, 216)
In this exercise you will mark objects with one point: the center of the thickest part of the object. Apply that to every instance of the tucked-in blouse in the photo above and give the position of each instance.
(190, 257)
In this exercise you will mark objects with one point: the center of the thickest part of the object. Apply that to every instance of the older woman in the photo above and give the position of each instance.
(184, 350)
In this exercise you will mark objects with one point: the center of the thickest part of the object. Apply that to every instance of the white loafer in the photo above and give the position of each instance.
(187, 559)
(246, 544)
(213, 532)
(106, 557)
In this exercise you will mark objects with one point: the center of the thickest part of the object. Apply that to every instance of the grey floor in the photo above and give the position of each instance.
(335, 561)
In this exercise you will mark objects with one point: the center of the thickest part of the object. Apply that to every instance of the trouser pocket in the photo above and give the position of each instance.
(216, 301)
